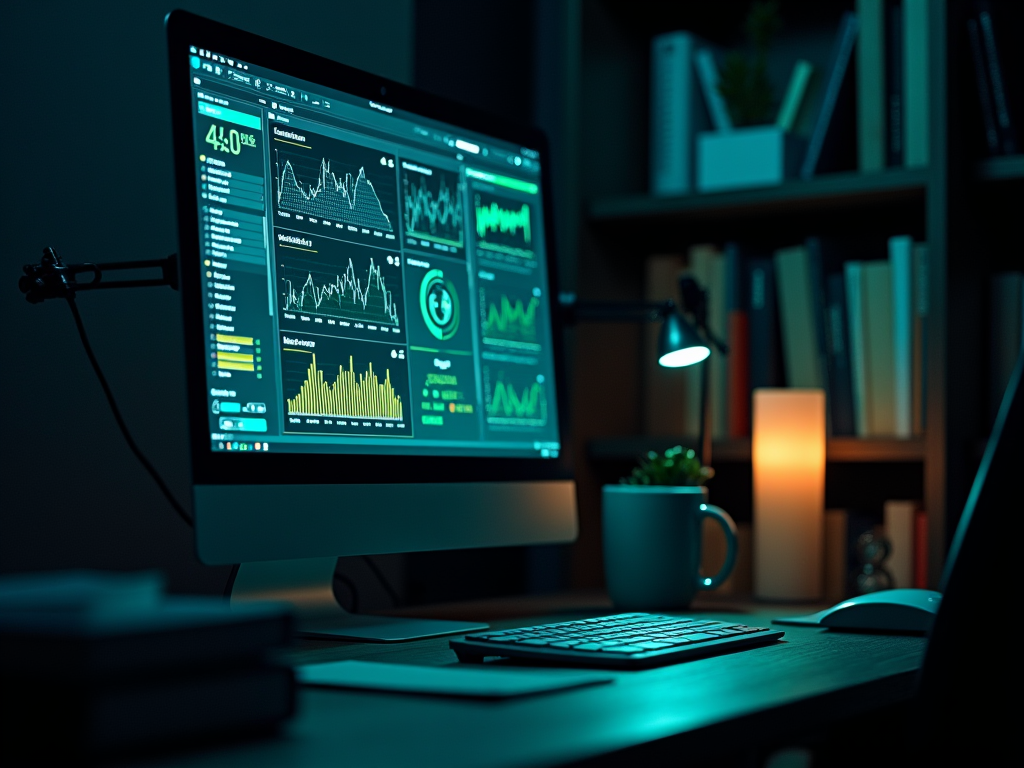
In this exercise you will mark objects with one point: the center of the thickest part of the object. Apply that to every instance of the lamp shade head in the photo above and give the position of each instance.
(679, 344)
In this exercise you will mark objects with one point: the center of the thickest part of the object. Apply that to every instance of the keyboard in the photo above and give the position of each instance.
(625, 641)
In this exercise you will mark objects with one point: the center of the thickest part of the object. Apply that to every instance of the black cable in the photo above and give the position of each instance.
(119, 419)
(383, 580)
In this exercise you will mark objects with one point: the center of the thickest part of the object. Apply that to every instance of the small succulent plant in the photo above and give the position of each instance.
(677, 466)
(744, 80)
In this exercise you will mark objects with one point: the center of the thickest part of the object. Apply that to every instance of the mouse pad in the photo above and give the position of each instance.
(453, 680)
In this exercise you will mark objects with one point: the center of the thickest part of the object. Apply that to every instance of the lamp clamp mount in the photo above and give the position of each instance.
(51, 278)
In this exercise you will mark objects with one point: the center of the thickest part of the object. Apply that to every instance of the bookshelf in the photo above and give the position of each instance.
(961, 204)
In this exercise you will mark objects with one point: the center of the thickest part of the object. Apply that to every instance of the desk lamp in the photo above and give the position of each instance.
(681, 342)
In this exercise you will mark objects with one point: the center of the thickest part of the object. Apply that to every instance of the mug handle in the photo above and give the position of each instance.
(721, 517)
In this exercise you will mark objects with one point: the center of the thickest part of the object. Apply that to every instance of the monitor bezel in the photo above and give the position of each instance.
(258, 468)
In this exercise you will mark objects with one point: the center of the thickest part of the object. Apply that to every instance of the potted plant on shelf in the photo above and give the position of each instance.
(652, 523)
(757, 148)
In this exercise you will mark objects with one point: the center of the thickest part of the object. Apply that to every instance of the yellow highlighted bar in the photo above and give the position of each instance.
(234, 339)
(235, 366)
(238, 357)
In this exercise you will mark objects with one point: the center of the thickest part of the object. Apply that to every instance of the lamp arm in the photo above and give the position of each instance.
(574, 311)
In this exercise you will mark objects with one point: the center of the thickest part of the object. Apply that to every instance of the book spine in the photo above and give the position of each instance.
(764, 335)
(840, 384)
(800, 348)
(1007, 134)
(796, 91)
(901, 265)
(836, 566)
(871, 90)
(920, 549)
(739, 344)
(816, 285)
(840, 61)
(853, 274)
(898, 517)
(671, 114)
(921, 300)
(916, 118)
(988, 115)
(894, 85)
(718, 322)
(878, 328)
(1006, 307)
(707, 71)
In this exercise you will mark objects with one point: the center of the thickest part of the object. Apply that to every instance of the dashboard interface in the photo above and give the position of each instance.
(373, 281)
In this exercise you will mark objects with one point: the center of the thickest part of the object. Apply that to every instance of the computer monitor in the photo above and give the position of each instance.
(373, 347)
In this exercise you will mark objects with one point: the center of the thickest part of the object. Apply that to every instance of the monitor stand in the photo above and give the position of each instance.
(308, 585)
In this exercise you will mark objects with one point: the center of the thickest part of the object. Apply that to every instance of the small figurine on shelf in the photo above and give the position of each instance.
(871, 576)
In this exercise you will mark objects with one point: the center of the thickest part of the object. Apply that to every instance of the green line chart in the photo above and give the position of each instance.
(509, 321)
(503, 226)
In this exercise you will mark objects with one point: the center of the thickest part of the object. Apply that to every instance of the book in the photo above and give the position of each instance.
(919, 349)
(871, 86)
(853, 278)
(676, 113)
(665, 396)
(983, 88)
(902, 281)
(1000, 102)
(738, 388)
(836, 567)
(840, 384)
(707, 72)
(707, 267)
(878, 333)
(1006, 333)
(894, 85)
(916, 115)
(796, 92)
(898, 520)
(800, 320)
(836, 74)
(920, 549)
(765, 344)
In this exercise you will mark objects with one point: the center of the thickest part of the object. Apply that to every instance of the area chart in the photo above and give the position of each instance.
(503, 226)
(509, 321)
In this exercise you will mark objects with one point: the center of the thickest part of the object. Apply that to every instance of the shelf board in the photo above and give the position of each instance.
(838, 190)
(1000, 168)
(737, 450)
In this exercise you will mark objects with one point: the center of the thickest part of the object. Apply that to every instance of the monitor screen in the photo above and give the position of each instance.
(373, 281)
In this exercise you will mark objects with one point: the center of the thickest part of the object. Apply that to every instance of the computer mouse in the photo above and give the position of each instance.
(891, 610)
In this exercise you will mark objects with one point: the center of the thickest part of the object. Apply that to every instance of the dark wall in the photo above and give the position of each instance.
(87, 163)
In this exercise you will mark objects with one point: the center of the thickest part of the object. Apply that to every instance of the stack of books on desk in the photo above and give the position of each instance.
(95, 665)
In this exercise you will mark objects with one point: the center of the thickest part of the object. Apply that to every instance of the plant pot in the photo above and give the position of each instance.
(756, 156)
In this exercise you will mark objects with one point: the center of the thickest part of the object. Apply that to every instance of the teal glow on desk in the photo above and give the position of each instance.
(699, 708)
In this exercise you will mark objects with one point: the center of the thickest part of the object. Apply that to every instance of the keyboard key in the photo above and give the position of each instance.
(534, 641)
(698, 637)
(622, 649)
(588, 647)
(654, 646)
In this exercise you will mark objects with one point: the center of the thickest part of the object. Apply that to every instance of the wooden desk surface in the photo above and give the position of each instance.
(697, 708)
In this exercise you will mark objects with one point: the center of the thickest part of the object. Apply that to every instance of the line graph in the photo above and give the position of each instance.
(432, 204)
(335, 197)
(503, 226)
(512, 404)
(350, 294)
(509, 321)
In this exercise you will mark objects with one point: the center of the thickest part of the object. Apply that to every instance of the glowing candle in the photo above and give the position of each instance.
(788, 456)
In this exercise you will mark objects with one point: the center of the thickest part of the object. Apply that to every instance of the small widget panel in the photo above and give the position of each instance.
(433, 215)
(344, 386)
(504, 230)
(444, 396)
(442, 313)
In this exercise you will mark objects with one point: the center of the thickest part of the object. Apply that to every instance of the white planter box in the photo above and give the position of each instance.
(758, 156)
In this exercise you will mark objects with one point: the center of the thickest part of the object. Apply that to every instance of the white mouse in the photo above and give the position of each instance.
(891, 610)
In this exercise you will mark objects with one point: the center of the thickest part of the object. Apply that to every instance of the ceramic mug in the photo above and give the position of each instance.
(652, 545)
